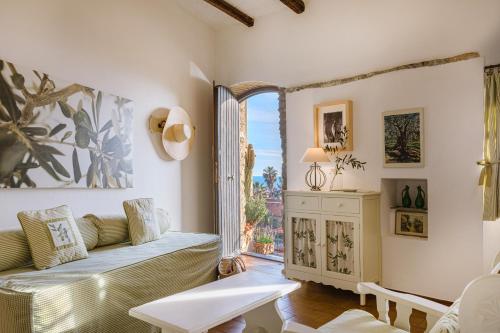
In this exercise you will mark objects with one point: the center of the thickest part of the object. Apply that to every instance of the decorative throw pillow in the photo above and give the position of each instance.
(14, 250)
(111, 229)
(142, 224)
(163, 219)
(88, 231)
(53, 236)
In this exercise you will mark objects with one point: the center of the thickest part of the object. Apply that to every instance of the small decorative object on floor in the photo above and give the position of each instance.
(264, 242)
(231, 265)
(341, 160)
(420, 199)
(406, 199)
(315, 177)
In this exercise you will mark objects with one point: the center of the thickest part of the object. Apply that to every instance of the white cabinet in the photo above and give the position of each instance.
(333, 237)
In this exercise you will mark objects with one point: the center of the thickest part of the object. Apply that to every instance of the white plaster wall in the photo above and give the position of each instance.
(335, 38)
(451, 96)
(152, 52)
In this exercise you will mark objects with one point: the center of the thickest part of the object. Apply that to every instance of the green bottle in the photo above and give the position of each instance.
(406, 200)
(420, 199)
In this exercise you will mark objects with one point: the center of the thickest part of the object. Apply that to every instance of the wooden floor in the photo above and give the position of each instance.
(313, 304)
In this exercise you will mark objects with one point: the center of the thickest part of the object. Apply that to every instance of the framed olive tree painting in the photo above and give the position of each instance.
(332, 123)
(403, 138)
(59, 134)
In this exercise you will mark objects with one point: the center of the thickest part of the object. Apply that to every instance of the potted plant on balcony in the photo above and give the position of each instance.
(264, 244)
(255, 211)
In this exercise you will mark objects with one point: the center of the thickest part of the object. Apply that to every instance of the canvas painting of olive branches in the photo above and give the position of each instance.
(62, 135)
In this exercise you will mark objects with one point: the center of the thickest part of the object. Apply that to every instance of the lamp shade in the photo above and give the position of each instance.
(315, 155)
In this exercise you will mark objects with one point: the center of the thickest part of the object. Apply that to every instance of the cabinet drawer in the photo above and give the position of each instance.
(340, 205)
(302, 203)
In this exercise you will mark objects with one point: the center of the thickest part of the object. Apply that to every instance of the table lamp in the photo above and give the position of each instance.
(315, 177)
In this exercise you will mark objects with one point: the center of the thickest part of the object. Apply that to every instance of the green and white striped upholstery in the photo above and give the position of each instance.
(95, 294)
(142, 224)
(163, 219)
(88, 231)
(111, 229)
(53, 236)
(14, 250)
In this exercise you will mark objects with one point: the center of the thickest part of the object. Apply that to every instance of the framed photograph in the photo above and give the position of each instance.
(329, 120)
(410, 223)
(403, 138)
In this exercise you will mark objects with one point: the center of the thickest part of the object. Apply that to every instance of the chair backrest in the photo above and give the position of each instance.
(480, 305)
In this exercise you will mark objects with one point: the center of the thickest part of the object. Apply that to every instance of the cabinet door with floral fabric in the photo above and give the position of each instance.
(303, 249)
(340, 247)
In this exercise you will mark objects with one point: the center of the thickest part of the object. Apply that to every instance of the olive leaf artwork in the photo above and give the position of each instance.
(55, 134)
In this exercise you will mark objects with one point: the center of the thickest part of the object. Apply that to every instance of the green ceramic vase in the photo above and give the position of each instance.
(420, 199)
(406, 200)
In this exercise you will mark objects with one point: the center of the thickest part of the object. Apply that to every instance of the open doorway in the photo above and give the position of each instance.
(261, 165)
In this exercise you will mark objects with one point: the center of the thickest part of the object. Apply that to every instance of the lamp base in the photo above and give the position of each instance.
(315, 177)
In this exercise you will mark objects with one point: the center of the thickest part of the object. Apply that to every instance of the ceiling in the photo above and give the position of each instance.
(218, 20)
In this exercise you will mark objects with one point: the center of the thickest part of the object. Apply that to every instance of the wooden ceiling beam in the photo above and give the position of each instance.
(232, 11)
(297, 6)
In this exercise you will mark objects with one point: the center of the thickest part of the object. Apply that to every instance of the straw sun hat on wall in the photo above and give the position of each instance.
(177, 132)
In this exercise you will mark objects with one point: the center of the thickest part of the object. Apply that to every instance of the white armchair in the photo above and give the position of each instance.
(479, 308)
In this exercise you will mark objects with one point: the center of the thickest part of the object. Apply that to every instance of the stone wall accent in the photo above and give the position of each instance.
(426, 63)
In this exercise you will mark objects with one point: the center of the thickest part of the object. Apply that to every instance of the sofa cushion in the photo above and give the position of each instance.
(142, 224)
(53, 236)
(89, 232)
(163, 219)
(111, 229)
(14, 250)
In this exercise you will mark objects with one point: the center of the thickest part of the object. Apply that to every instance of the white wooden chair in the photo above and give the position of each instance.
(476, 311)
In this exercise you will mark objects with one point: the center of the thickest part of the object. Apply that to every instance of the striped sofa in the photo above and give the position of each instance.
(95, 294)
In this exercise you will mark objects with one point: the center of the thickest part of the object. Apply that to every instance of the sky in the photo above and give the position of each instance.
(263, 131)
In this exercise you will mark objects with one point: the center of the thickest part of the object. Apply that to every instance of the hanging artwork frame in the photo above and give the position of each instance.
(58, 134)
(329, 119)
(403, 138)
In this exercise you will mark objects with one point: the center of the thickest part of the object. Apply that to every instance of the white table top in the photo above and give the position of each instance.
(199, 309)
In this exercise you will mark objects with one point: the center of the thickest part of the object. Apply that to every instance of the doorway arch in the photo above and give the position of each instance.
(227, 191)
(244, 90)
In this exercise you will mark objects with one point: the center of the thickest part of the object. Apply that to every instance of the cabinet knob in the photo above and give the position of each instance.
(303, 202)
(340, 204)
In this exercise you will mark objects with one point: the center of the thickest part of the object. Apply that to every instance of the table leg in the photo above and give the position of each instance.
(264, 319)
(362, 299)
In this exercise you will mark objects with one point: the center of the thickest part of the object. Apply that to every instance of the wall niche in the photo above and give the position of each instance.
(403, 220)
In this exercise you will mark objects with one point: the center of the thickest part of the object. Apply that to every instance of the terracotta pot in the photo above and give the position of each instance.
(247, 236)
(264, 248)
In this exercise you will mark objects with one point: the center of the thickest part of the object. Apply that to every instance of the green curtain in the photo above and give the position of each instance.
(489, 175)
